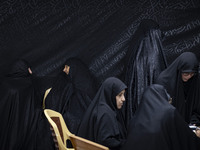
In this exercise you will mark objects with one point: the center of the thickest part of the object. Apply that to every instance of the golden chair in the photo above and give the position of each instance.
(80, 143)
(59, 129)
(61, 134)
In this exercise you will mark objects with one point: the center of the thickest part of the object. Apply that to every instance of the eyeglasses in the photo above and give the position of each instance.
(188, 73)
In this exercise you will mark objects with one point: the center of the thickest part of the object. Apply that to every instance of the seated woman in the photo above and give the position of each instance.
(157, 125)
(181, 80)
(102, 122)
(70, 94)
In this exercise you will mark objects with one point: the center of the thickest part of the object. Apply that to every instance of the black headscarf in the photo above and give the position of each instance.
(81, 77)
(17, 108)
(19, 69)
(145, 62)
(157, 125)
(102, 121)
(184, 94)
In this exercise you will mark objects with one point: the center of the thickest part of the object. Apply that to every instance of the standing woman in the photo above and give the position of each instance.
(102, 122)
(181, 81)
(17, 108)
(145, 62)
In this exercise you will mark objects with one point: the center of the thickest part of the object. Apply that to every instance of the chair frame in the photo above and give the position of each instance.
(61, 140)
(62, 134)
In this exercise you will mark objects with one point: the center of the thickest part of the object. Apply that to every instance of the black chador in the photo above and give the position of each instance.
(185, 95)
(145, 62)
(17, 112)
(157, 125)
(70, 94)
(102, 122)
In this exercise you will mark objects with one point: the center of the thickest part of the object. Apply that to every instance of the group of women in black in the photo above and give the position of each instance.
(161, 120)
(24, 125)
(98, 115)
(152, 109)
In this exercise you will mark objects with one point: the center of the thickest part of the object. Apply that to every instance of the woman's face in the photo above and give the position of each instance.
(66, 69)
(120, 98)
(30, 71)
(187, 75)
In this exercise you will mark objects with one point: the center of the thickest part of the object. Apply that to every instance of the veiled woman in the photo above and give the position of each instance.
(157, 125)
(102, 122)
(18, 105)
(71, 94)
(181, 80)
(145, 62)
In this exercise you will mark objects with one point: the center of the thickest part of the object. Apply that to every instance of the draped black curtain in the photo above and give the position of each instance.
(47, 32)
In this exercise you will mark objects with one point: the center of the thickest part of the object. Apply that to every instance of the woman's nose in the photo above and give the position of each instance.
(123, 98)
(191, 75)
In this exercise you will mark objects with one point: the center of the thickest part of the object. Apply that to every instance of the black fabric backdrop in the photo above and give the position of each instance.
(47, 32)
